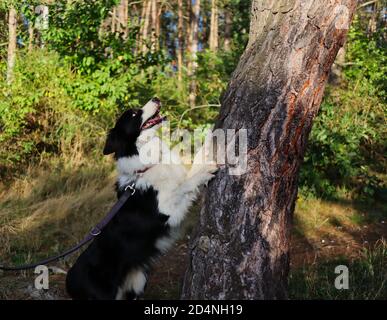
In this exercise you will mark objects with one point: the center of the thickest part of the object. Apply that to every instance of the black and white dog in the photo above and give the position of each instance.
(116, 264)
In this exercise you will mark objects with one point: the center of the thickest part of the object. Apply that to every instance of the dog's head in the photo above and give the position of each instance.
(121, 140)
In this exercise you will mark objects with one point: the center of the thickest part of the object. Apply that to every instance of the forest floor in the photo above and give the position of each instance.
(325, 234)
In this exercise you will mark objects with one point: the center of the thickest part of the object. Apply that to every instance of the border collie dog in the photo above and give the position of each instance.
(116, 263)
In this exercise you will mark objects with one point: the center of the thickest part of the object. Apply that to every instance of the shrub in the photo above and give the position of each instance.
(367, 60)
(346, 149)
(38, 117)
(111, 70)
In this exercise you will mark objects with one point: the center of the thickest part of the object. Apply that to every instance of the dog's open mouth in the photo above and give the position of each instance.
(154, 120)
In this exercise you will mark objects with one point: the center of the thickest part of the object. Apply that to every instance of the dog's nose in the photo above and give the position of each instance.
(156, 100)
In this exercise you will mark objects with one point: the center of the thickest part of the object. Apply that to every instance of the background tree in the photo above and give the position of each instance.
(214, 40)
(122, 17)
(31, 32)
(12, 34)
(193, 51)
(241, 249)
(227, 28)
(146, 23)
(180, 39)
(154, 27)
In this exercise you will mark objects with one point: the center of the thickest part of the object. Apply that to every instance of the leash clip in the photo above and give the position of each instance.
(131, 188)
(95, 231)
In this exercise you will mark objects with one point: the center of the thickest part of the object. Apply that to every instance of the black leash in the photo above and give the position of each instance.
(129, 191)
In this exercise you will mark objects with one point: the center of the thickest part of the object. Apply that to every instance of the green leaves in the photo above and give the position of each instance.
(367, 57)
(75, 32)
(108, 68)
(348, 136)
(344, 138)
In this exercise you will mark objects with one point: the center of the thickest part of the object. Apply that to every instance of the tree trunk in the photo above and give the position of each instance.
(139, 44)
(193, 52)
(227, 29)
(30, 36)
(146, 24)
(158, 24)
(122, 18)
(214, 26)
(372, 26)
(206, 25)
(188, 34)
(12, 34)
(114, 22)
(180, 40)
(241, 246)
(154, 25)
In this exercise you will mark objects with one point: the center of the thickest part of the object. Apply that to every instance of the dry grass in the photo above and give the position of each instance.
(317, 218)
(327, 234)
(49, 211)
(367, 277)
(324, 228)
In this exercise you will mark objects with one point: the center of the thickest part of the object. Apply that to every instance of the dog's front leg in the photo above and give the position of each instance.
(176, 203)
(193, 183)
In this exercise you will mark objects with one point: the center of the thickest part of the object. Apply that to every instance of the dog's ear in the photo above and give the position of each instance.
(110, 145)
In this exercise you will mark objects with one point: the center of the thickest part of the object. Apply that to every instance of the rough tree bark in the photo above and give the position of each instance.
(12, 34)
(241, 246)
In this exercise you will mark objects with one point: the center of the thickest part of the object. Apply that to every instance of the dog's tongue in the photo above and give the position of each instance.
(153, 121)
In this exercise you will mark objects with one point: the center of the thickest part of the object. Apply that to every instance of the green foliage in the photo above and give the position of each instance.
(3, 34)
(109, 86)
(75, 33)
(240, 25)
(346, 135)
(212, 84)
(367, 56)
(346, 149)
(111, 71)
(37, 116)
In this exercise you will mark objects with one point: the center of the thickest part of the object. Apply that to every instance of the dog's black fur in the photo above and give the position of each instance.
(128, 241)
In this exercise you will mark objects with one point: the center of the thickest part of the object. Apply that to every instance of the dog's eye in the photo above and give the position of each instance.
(134, 114)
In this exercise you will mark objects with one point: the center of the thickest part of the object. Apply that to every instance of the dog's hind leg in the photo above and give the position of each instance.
(133, 285)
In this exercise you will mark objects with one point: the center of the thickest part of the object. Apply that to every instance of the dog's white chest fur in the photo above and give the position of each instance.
(176, 186)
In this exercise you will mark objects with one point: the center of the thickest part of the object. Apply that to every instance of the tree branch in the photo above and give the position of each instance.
(366, 4)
